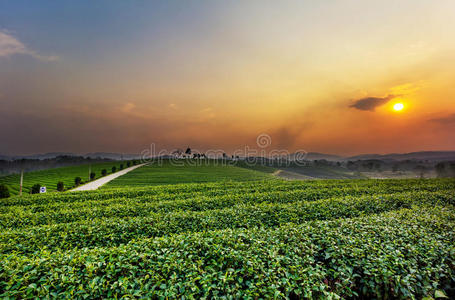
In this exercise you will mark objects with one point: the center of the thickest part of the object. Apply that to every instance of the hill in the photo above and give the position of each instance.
(186, 171)
(50, 177)
(423, 155)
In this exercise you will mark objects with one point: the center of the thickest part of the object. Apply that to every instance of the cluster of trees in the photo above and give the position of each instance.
(35, 189)
(445, 169)
(27, 164)
(188, 153)
(78, 180)
(365, 165)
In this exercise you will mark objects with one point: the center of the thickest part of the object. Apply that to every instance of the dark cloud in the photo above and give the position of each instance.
(370, 103)
(288, 136)
(445, 120)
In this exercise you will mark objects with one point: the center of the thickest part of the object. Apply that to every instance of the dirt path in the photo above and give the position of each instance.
(95, 184)
(291, 175)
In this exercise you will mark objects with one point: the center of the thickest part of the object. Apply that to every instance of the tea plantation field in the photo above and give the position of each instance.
(186, 171)
(49, 178)
(367, 239)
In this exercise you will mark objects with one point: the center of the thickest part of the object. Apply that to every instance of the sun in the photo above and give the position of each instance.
(398, 106)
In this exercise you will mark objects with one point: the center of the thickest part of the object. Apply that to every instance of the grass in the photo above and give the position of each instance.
(50, 177)
(186, 171)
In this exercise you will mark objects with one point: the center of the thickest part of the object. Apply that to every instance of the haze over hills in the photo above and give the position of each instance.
(319, 156)
(50, 155)
(421, 155)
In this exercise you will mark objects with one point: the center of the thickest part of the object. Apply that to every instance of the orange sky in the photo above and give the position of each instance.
(314, 76)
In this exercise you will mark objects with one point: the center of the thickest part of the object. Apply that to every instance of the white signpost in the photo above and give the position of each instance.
(42, 189)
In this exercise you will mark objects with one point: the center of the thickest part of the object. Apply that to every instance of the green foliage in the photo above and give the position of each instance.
(60, 186)
(185, 171)
(77, 181)
(103, 172)
(92, 175)
(35, 188)
(128, 164)
(4, 192)
(50, 177)
(367, 239)
(114, 169)
(121, 167)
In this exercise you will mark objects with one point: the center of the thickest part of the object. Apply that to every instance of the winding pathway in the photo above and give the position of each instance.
(95, 184)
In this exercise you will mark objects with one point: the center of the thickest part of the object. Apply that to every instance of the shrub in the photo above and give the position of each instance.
(128, 164)
(4, 192)
(77, 181)
(114, 168)
(92, 175)
(60, 186)
(35, 188)
(103, 172)
(121, 167)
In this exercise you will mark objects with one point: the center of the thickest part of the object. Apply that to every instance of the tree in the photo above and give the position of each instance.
(92, 175)
(440, 169)
(114, 168)
(177, 152)
(188, 151)
(103, 172)
(4, 192)
(35, 188)
(452, 169)
(421, 170)
(395, 168)
(128, 164)
(77, 181)
(121, 167)
(60, 186)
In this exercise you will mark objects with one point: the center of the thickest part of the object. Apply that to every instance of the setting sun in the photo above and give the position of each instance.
(398, 106)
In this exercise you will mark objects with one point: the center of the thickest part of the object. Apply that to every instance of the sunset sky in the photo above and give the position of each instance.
(322, 76)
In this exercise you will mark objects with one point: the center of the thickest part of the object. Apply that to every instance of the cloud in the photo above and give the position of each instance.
(9, 45)
(370, 103)
(128, 107)
(445, 120)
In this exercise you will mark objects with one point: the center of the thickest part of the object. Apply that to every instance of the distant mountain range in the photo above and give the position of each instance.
(422, 155)
(50, 155)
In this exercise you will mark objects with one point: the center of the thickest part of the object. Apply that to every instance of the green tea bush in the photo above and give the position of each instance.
(4, 192)
(35, 188)
(60, 186)
(402, 254)
(335, 239)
